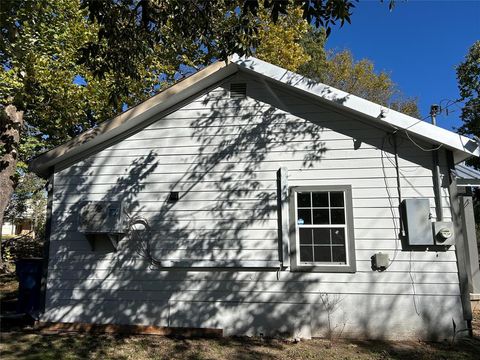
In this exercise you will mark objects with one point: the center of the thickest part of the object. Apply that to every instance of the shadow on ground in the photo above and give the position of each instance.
(25, 345)
(20, 341)
(9, 319)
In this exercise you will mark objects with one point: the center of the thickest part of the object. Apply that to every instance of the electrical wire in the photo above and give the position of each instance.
(143, 245)
(387, 188)
(403, 170)
(412, 281)
(430, 115)
(420, 147)
(395, 226)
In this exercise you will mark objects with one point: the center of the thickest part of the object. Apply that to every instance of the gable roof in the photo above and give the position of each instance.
(134, 118)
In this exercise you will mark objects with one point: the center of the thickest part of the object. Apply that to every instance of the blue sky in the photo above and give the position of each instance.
(419, 43)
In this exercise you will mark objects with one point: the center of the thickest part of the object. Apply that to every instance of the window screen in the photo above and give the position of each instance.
(321, 227)
(322, 232)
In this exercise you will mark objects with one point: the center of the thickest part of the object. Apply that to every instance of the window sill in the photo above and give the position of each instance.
(324, 269)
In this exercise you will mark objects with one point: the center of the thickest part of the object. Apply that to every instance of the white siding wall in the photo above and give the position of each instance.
(222, 155)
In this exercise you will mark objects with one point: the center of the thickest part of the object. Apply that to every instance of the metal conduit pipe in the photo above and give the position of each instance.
(437, 182)
(399, 185)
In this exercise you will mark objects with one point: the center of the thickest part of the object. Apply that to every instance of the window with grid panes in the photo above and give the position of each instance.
(322, 228)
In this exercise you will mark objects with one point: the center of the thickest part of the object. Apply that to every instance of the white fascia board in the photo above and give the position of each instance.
(462, 146)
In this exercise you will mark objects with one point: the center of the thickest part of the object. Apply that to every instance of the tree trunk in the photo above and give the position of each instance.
(11, 123)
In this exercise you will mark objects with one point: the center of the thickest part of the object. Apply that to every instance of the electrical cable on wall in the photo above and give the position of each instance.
(412, 281)
(395, 227)
(144, 249)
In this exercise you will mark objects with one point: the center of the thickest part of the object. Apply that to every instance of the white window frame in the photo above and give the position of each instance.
(296, 264)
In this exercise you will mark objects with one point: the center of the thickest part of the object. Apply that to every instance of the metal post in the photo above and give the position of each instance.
(460, 244)
(283, 216)
(473, 272)
(434, 110)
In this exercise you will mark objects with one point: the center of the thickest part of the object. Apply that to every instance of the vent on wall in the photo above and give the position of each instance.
(238, 90)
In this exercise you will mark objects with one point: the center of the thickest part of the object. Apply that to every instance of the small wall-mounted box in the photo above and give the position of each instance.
(443, 233)
(102, 217)
(380, 261)
(417, 222)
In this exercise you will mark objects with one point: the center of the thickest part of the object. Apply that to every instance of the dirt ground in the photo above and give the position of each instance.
(18, 340)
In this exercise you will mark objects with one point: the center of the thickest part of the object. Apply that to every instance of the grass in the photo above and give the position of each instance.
(22, 342)
(8, 293)
(23, 345)
(8, 287)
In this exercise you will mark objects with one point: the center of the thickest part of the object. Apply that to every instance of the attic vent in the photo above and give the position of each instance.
(238, 90)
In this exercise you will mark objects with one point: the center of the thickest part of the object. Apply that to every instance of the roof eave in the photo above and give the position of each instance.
(131, 118)
(461, 146)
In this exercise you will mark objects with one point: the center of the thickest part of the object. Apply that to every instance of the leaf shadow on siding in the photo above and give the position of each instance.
(75, 285)
(226, 214)
(238, 201)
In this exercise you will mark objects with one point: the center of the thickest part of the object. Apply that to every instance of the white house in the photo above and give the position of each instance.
(9, 229)
(250, 199)
(21, 224)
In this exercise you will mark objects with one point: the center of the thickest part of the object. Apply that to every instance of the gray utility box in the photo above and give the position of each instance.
(380, 261)
(417, 221)
(102, 217)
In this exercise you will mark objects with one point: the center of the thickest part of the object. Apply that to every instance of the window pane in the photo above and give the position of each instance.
(338, 216)
(320, 199)
(336, 199)
(321, 236)
(304, 216)
(321, 225)
(320, 216)
(339, 254)
(338, 236)
(305, 236)
(306, 253)
(322, 254)
(303, 199)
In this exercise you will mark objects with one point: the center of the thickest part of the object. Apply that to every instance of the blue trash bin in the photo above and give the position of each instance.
(29, 273)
